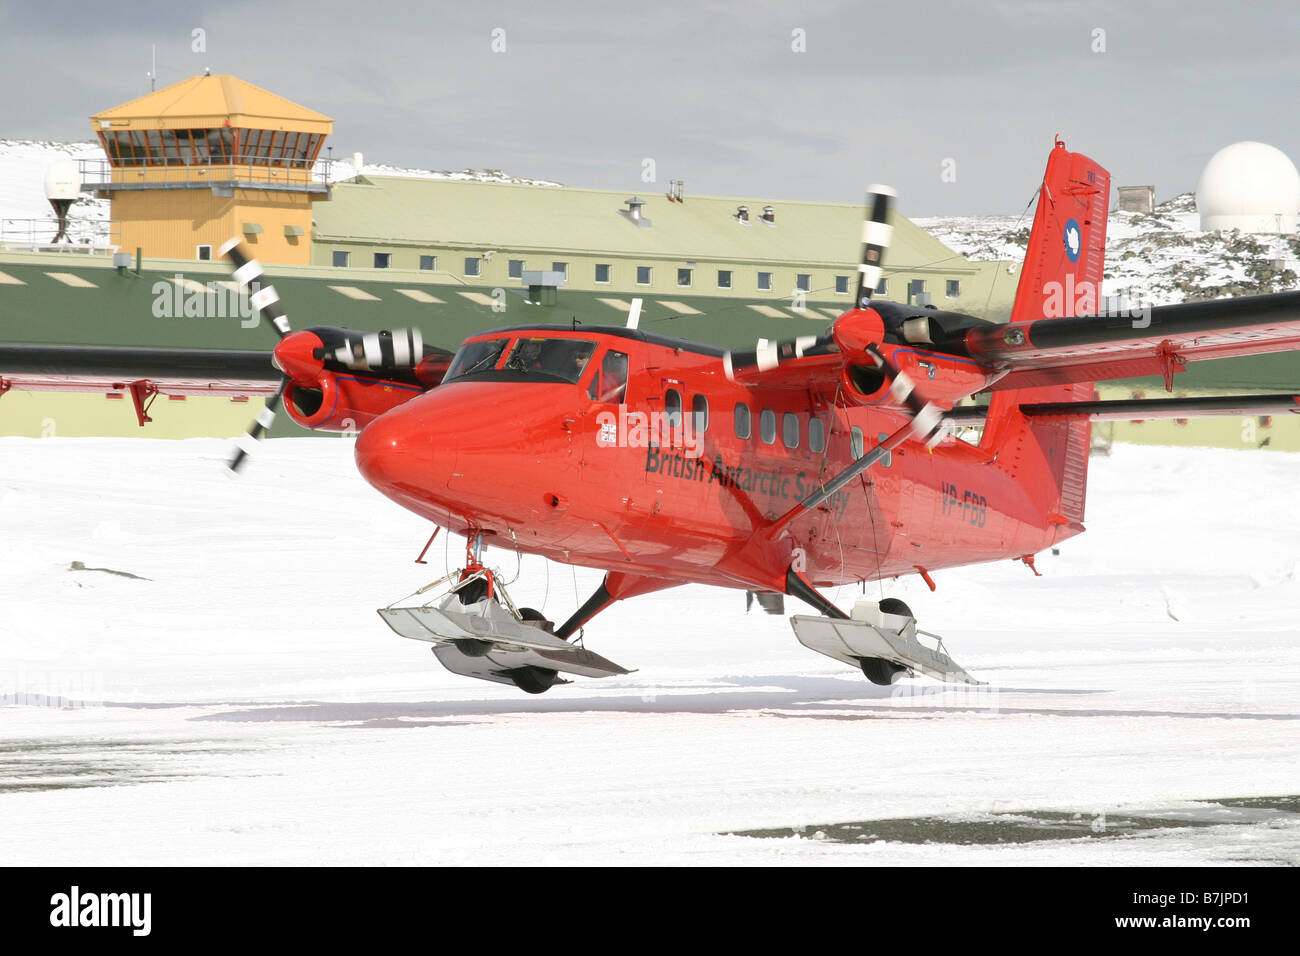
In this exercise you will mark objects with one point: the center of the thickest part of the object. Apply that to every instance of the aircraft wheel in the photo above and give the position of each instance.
(533, 680)
(895, 606)
(473, 592)
(880, 671)
(471, 647)
(877, 669)
(533, 616)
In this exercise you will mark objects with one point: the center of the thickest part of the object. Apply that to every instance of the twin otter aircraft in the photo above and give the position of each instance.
(785, 469)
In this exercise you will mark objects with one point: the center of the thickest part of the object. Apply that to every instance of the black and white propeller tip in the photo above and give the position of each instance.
(877, 234)
(265, 301)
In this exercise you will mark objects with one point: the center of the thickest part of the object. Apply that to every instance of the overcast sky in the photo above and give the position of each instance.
(717, 94)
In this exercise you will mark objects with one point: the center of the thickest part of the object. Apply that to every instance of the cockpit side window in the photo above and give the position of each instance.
(475, 357)
(610, 386)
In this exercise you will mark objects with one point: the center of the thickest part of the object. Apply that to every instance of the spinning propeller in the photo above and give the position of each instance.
(303, 356)
(858, 333)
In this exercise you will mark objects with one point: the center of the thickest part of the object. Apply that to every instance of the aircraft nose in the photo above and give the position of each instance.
(403, 457)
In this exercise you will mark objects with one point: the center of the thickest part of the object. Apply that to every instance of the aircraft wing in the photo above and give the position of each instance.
(1156, 342)
(65, 368)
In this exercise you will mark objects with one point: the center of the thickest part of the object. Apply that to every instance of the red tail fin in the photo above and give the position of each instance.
(1061, 277)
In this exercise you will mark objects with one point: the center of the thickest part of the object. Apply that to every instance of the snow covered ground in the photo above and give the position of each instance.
(239, 702)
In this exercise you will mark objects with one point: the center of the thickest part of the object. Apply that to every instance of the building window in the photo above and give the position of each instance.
(700, 414)
(742, 420)
(602, 272)
(562, 268)
(472, 265)
(803, 282)
(953, 288)
(841, 285)
(515, 268)
(767, 426)
(428, 263)
(683, 277)
(765, 282)
(724, 278)
(203, 253)
(382, 259)
(341, 258)
(642, 275)
(883, 287)
(915, 288)
(790, 430)
(816, 436)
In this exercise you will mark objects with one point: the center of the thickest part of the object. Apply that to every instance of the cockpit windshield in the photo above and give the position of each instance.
(475, 357)
(560, 358)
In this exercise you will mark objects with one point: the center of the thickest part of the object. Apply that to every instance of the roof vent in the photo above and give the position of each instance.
(769, 216)
(742, 215)
(634, 214)
(675, 190)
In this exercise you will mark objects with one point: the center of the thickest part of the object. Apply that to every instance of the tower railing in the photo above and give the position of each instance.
(83, 236)
(103, 174)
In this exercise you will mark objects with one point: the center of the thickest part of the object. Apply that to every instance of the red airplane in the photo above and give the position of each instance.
(785, 469)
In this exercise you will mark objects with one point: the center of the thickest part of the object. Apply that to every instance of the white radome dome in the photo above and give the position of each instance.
(1249, 186)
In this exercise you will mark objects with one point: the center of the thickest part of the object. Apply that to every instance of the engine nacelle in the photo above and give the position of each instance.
(938, 378)
(344, 403)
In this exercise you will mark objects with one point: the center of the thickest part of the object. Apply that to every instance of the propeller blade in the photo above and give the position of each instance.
(248, 273)
(768, 355)
(374, 351)
(877, 234)
(261, 424)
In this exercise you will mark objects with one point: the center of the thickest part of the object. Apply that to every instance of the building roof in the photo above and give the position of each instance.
(522, 218)
(209, 101)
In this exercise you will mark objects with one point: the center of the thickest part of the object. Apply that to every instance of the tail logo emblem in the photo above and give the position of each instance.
(1073, 241)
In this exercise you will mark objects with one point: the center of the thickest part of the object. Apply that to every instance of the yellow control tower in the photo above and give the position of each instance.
(208, 158)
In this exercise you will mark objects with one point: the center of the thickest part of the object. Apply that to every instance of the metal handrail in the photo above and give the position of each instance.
(95, 172)
(87, 236)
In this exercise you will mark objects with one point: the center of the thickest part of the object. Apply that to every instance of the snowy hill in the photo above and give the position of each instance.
(1154, 259)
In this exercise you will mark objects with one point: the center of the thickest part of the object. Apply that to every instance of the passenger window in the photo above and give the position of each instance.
(888, 460)
(790, 430)
(612, 387)
(816, 436)
(742, 420)
(673, 408)
(855, 441)
(767, 426)
(700, 414)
